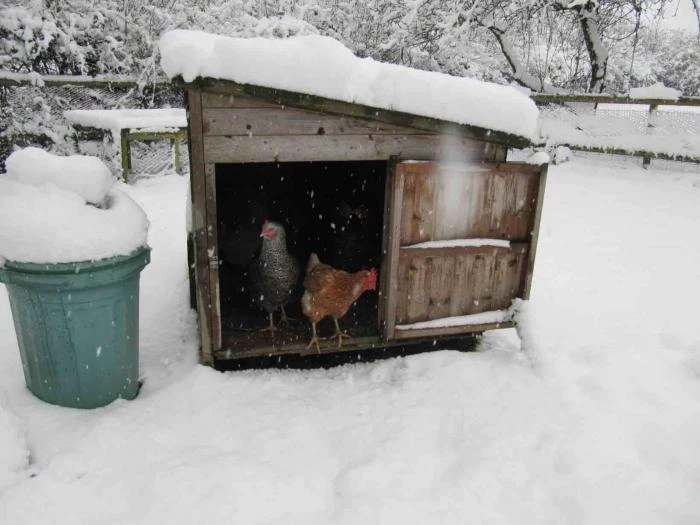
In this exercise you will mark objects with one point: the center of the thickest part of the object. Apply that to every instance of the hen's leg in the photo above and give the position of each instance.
(285, 320)
(272, 326)
(338, 334)
(314, 338)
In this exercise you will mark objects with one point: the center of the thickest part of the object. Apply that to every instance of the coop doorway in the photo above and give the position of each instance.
(334, 209)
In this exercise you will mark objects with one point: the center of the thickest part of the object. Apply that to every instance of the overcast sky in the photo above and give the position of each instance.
(679, 14)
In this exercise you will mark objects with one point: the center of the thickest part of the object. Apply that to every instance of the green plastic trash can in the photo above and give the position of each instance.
(77, 326)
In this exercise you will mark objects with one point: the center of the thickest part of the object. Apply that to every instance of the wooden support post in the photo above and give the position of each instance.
(176, 153)
(651, 124)
(125, 154)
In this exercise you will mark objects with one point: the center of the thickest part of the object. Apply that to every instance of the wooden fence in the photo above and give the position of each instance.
(652, 115)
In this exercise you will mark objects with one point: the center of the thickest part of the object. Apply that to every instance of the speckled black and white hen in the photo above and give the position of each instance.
(274, 273)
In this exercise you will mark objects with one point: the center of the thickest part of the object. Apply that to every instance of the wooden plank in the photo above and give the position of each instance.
(418, 207)
(534, 237)
(612, 99)
(337, 107)
(199, 222)
(233, 351)
(434, 283)
(456, 201)
(391, 276)
(179, 133)
(212, 100)
(635, 153)
(495, 152)
(400, 335)
(125, 153)
(213, 257)
(99, 81)
(387, 236)
(221, 149)
(279, 120)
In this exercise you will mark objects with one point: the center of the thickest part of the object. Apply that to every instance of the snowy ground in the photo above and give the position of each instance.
(593, 419)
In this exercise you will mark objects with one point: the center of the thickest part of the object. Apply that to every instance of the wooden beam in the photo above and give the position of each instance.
(199, 222)
(390, 287)
(634, 153)
(534, 235)
(227, 149)
(27, 79)
(384, 270)
(213, 257)
(613, 99)
(125, 153)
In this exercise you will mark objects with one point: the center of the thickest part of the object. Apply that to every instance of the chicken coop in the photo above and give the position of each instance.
(435, 206)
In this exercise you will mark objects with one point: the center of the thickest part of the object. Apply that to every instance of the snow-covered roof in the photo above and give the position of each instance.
(321, 66)
(118, 119)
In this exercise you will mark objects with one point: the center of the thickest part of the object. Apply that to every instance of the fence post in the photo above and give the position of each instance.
(125, 153)
(176, 148)
(651, 124)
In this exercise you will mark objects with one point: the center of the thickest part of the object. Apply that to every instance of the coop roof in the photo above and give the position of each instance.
(322, 67)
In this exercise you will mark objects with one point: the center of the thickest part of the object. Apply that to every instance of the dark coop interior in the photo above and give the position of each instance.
(332, 208)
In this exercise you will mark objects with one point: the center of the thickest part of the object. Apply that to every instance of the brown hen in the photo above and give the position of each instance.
(331, 292)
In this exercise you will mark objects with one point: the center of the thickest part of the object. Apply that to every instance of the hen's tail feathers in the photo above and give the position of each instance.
(313, 261)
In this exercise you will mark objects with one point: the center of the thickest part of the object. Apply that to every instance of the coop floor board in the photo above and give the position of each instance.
(361, 349)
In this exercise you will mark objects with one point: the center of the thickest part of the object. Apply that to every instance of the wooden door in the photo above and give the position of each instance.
(460, 246)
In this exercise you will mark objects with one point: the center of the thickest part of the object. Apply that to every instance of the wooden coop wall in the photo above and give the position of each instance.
(229, 126)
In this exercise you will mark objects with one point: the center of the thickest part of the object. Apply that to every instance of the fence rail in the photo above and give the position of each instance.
(30, 79)
(663, 131)
(612, 99)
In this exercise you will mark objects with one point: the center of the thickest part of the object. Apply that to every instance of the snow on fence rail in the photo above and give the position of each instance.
(651, 128)
(32, 106)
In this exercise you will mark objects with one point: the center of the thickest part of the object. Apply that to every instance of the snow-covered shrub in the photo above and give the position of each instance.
(681, 70)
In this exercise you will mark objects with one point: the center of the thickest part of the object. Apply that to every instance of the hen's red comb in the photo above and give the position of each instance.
(372, 279)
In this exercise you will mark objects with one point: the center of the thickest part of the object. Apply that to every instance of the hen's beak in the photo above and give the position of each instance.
(267, 231)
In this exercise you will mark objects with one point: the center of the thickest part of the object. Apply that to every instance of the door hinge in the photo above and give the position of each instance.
(214, 262)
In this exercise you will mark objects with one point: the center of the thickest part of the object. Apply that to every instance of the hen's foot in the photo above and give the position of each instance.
(270, 328)
(340, 336)
(314, 341)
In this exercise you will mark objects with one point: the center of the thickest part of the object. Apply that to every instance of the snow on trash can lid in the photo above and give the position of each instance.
(52, 215)
(84, 175)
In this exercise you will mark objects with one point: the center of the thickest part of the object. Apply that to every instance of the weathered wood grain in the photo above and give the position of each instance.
(213, 256)
(291, 121)
(236, 149)
(199, 222)
(386, 243)
(455, 201)
(534, 234)
(230, 100)
(349, 109)
(435, 283)
(390, 282)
